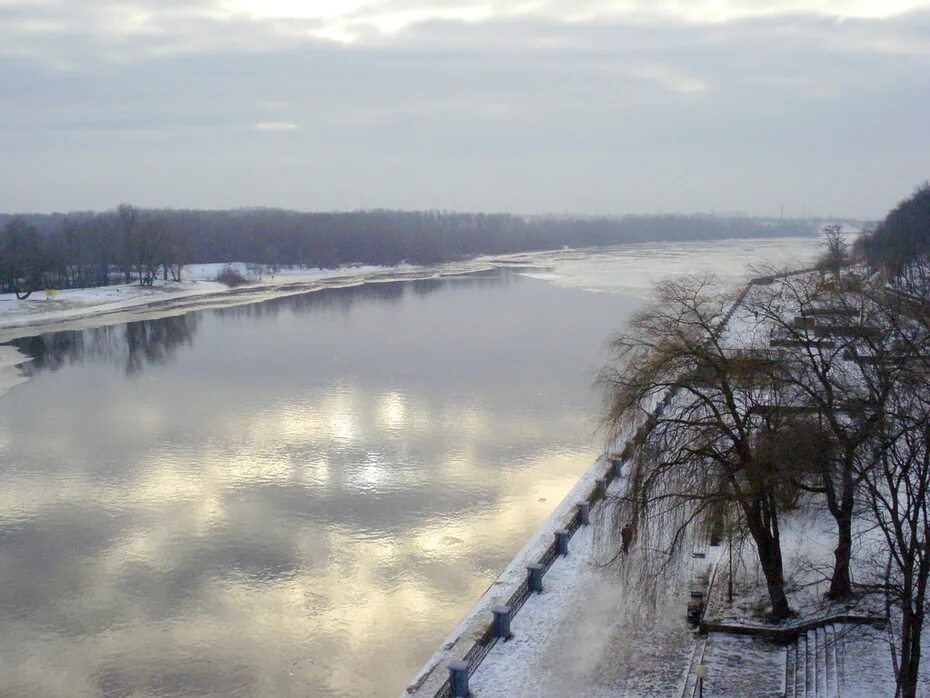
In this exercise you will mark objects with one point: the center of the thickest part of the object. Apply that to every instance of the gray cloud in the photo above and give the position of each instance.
(543, 106)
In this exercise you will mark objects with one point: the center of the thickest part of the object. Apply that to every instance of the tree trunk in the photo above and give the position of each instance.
(769, 549)
(774, 581)
(909, 668)
(840, 584)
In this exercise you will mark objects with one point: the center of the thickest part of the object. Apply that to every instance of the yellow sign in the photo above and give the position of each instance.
(51, 292)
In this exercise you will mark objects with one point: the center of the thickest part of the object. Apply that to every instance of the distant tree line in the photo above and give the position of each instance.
(129, 243)
(90, 250)
(900, 245)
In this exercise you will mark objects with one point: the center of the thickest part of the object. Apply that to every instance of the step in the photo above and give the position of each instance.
(791, 670)
(821, 663)
(839, 649)
(801, 667)
(830, 652)
(810, 665)
(687, 689)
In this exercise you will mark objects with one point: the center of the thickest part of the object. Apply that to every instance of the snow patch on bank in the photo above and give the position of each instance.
(10, 374)
(197, 280)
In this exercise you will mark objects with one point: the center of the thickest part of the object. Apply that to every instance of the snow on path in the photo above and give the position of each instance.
(583, 636)
(743, 666)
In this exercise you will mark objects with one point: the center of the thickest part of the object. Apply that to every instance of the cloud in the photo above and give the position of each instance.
(119, 31)
(527, 105)
(274, 126)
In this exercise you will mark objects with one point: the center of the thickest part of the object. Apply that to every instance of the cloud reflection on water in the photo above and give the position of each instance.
(220, 506)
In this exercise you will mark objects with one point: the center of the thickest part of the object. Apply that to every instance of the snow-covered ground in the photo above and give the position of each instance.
(596, 631)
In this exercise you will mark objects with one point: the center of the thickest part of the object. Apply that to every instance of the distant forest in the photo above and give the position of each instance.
(129, 243)
(900, 245)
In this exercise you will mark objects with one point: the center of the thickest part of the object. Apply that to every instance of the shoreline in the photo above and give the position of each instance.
(89, 308)
(76, 309)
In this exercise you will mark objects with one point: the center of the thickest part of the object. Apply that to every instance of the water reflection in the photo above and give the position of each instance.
(344, 299)
(132, 346)
(137, 344)
(297, 497)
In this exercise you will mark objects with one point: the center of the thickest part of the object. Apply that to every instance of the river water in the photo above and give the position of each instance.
(300, 496)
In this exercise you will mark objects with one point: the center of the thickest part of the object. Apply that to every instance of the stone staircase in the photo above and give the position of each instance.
(815, 666)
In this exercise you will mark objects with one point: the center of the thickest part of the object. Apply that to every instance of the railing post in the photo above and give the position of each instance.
(502, 617)
(458, 678)
(584, 513)
(534, 574)
(561, 541)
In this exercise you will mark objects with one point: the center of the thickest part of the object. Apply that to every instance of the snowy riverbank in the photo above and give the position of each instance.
(41, 311)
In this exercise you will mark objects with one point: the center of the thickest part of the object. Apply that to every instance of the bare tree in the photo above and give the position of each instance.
(900, 245)
(22, 258)
(836, 250)
(898, 485)
(898, 493)
(822, 327)
(707, 441)
(127, 224)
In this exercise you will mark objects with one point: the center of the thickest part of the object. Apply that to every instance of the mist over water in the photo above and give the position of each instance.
(300, 496)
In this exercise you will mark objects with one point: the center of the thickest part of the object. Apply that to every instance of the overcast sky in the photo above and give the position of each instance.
(518, 105)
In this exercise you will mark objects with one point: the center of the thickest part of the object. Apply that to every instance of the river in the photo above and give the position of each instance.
(301, 496)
